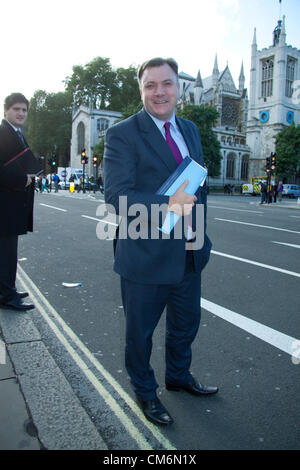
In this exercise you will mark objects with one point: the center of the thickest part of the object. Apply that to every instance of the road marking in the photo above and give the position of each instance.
(99, 220)
(269, 335)
(256, 225)
(287, 244)
(130, 427)
(53, 207)
(295, 216)
(256, 263)
(233, 209)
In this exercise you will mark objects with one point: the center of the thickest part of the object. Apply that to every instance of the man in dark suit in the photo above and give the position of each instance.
(16, 200)
(156, 272)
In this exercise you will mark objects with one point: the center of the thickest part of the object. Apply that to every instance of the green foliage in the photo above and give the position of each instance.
(49, 123)
(98, 84)
(131, 109)
(98, 149)
(288, 152)
(204, 117)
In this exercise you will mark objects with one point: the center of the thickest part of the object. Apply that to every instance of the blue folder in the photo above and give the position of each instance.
(187, 170)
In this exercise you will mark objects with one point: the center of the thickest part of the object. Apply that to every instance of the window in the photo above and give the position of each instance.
(244, 167)
(102, 124)
(290, 74)
(230, 167)
(267, 78)
(80, 137)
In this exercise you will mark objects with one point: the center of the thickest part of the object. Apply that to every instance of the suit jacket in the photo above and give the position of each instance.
(137, 161)
(16, 200)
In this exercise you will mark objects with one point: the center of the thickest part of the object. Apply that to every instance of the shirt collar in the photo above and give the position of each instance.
(160, 124)
(15, 128)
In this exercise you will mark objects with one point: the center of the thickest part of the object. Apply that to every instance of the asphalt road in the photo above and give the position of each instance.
(246, 342)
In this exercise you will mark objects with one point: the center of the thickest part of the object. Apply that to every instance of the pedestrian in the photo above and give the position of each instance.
(275, 191)
(279, 191)
(56, 181)
(263, 192)
(16, 199)
(44, 185)
(140, 154)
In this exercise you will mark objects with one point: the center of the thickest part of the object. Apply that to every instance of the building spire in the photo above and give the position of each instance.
(242, 78)
(216, 68)
(198, 82)
(254, 38)
(216, 73)
(282, 37)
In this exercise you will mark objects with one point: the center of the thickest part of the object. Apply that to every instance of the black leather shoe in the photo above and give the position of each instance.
(194, 388)
(22, 295)
(155, 411)
(17, 304)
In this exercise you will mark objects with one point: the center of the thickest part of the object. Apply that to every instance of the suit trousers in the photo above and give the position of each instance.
(143, 307)
(8, 266)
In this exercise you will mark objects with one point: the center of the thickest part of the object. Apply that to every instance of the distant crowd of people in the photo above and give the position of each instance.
(271, 194)
(43, 183)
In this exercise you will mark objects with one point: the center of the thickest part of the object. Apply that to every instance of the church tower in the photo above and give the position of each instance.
(271, 106)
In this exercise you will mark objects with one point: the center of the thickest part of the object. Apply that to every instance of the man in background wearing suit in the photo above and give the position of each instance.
(16, 200)
(156, 272)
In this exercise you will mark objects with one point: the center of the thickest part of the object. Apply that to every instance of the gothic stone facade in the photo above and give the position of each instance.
(219, 91)
(273, 75)
(88, 127)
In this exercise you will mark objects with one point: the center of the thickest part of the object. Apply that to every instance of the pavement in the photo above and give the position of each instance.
(38, 408)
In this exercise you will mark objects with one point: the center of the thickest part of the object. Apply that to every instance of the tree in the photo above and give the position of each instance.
(125, 91)
(131, 109)
(98, 149)
(49, 123)
(94, 82)
(97, 84)
(204, 117)
(288, 152)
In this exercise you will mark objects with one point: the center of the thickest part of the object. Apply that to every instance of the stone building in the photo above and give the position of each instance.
(272, 106)
(219, 91)
(88, 127)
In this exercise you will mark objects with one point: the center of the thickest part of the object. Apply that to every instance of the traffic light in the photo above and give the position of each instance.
(268, 164)
(273, 161)
(53, 160)
(95, 161)
(84, 158)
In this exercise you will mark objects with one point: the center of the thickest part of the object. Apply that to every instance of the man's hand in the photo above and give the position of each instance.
(29, 180)
(182, 203)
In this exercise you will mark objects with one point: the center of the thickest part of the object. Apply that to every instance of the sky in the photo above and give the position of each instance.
(41, 40)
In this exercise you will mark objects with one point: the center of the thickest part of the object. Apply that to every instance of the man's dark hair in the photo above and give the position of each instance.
(157, 62)
(13, 99)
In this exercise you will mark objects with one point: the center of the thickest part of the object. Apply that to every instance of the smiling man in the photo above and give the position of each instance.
(16, 200)
(140, 154)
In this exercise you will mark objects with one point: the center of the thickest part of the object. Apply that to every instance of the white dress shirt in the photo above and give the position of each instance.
(175, 133)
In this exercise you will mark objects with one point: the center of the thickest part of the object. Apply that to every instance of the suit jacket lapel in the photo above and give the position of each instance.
(155, 140)
(185, 130)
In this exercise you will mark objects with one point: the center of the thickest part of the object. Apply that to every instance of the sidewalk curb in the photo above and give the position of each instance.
(60, 420)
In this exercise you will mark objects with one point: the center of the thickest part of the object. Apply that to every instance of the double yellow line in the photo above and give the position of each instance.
(64, 334)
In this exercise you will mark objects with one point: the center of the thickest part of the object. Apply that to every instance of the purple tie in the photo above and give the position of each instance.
(176, 152)
(172, 144)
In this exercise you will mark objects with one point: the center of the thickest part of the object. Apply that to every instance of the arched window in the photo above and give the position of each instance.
(290, 74)
(102, 124)
(267, 78)
(244, 167)
(230, 167)
(80, 137)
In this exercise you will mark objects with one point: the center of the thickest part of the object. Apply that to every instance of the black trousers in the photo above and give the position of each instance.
(143, 307)
(8, 266)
